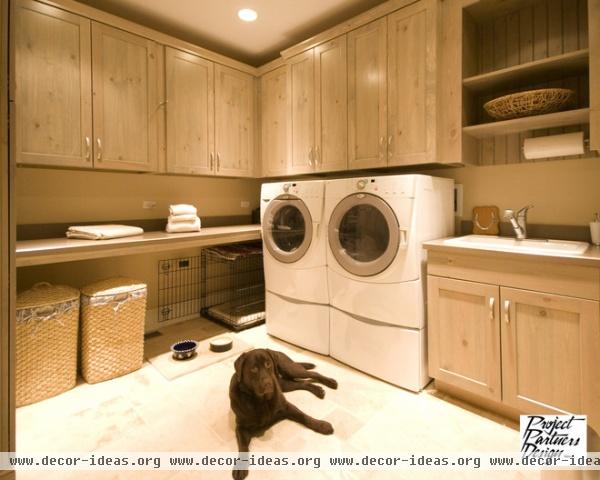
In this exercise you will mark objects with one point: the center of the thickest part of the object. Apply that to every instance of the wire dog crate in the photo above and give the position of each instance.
(233, 285)
(178, 288)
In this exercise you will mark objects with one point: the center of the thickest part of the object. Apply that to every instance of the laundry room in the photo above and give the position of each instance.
(209, 207)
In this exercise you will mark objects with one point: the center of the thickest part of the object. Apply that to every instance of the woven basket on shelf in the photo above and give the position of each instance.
(113, 312)
(46, 342)
(532, 102)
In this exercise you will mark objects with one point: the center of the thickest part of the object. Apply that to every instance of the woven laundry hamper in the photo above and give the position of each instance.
(112, 328)
(46, 342)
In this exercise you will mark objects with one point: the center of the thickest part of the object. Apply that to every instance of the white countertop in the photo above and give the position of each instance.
(58, 250)
(590, 258)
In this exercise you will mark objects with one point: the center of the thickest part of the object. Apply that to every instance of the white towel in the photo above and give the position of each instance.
(181, 227)
(182, 209)
(182, 218)
(103, 232)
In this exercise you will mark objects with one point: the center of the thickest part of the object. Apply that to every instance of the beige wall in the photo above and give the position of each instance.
(56, 196)
(564, 192)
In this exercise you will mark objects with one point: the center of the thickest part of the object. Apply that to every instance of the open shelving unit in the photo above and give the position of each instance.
(514, 46)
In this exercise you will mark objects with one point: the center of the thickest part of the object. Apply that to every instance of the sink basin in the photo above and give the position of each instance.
(528, 245)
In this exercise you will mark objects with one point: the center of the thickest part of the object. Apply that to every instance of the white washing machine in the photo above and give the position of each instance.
(376, 270)
(295, 261)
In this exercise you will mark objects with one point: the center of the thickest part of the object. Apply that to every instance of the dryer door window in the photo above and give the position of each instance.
(364, 234)
(287, 228)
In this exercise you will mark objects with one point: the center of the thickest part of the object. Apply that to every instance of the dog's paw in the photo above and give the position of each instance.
(318, 391)
(239, 474)
(324, 427)
(331, 383)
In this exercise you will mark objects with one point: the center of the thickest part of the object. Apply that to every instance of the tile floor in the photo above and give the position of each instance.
(143, 411)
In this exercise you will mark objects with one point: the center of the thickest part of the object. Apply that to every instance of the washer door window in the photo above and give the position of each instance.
(364, 234)
(287, 228)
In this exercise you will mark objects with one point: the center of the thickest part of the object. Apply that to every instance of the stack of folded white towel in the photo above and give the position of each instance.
(183, 218)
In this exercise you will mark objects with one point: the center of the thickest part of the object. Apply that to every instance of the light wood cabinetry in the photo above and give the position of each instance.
(367, 96)
(318, 108)
(464, 335)
(550, 353)
(490, 49)
(53, 86)
(331, 106)
(516, 337)
(234, 122)
(301, 79)
(72, 73)
(190, 113)
(372, 102)
(210, 117)
(125, 104)
(412, 85)
(274, 122)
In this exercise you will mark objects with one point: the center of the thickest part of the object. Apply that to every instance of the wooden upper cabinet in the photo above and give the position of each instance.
(331, 106)
(367, 96)
(274, 121)
(234, 122)
(125, 103)
(190, 113)
(550, 353)
(464, 335)
(53, 102)
(301, 93)
(411, 81)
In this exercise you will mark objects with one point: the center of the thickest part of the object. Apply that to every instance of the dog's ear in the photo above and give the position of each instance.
(239, 366)
(273, 356)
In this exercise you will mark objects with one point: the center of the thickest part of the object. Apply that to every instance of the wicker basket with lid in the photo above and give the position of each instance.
(46, 342)
(113, 312)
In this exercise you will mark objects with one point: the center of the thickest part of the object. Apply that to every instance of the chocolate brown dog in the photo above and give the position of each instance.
(256, 394)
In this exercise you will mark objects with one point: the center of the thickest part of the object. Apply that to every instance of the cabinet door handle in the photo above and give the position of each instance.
(506, 307)
(212, 160)
(88, 146)
(390, 138)
(218, 161)
(310, 157)
(491, 303)
(99, 154)
(317, 156)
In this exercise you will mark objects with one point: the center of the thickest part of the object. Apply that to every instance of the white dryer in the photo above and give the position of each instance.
(295, 262)
(376, 270)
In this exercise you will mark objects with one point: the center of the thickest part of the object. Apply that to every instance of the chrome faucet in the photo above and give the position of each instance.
(518, 221)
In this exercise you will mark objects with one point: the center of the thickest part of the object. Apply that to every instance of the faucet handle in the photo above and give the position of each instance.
(524, 210)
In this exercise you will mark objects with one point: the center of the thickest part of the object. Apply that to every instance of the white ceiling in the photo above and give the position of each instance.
(214, 24)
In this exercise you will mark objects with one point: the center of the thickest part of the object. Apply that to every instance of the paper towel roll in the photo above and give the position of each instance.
(554, 146)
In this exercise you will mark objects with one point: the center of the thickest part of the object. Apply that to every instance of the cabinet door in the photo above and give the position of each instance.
(190, 113)
(234, 122)
(411, 81)
(367, 96)
(53, 93)
(274, 120)
(551, 353)
(124, 76)
(331, 106)
(464, 335)
(301, 128)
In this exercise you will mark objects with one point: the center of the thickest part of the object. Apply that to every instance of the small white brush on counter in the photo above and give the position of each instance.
(595, 229)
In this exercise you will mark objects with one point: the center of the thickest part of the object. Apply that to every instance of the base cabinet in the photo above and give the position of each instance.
(550, 353)
(533, 351)
(464, 335)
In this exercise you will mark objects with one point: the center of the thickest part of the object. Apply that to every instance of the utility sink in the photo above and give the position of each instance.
(487, 242)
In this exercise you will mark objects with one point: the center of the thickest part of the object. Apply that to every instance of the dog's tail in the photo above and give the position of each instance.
(308, 366)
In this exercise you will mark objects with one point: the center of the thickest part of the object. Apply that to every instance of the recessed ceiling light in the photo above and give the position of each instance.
(247, 15)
